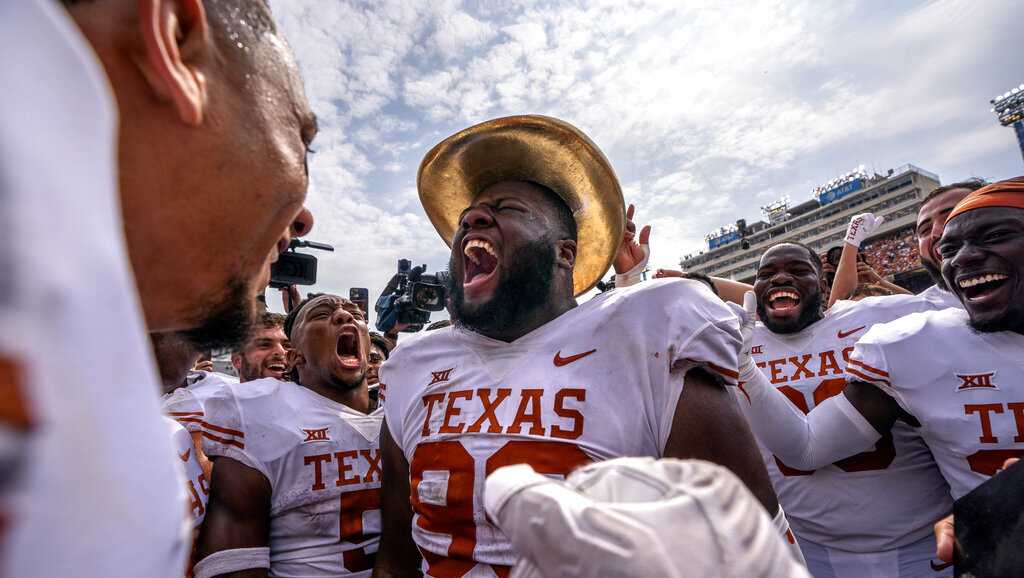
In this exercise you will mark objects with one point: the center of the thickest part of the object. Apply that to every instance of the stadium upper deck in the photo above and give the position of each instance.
(821, 224)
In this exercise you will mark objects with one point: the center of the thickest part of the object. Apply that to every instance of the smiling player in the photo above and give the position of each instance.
(954, 374)
(265, 352)
(534, 214)
(931, 219)
(871, 514)
(296, 480)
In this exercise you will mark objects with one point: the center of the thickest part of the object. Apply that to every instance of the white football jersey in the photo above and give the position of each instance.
(322, 460)
(965, 387)
(196, 489)
(185, 404)
(593, 384)
(939, 298)
(94, 491)
(875, 501)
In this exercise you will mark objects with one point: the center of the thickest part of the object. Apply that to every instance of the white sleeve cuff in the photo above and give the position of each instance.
(636, 274)
(227, 561)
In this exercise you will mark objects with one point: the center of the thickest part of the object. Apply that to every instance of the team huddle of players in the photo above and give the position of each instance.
(869, 416)
(837, 436)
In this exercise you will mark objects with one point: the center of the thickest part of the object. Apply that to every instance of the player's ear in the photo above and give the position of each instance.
(565, 253)
(294, 358)
(175, 37)
(823, 284)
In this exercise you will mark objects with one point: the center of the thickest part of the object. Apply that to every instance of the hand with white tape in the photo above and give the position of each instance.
(631, 259)
(861, 226)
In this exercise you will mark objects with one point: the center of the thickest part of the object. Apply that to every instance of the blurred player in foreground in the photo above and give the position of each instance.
(120, 117)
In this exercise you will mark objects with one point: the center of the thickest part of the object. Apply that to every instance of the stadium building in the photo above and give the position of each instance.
(733, 252)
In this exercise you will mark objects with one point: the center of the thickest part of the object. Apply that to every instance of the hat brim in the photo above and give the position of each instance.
(529, 148)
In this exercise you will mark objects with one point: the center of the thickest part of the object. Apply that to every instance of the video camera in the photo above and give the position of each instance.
(410, 296)
(294, 268)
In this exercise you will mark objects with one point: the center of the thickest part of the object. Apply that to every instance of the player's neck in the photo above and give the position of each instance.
(357, 398)
(538, 317)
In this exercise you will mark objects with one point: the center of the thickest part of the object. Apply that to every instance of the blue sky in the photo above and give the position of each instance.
(707, 110)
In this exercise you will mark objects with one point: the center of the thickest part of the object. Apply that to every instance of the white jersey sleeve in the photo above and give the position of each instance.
(224, 427)
(868, 363)
(186, 404)
(965, 387)
(693, 327)
(196, 489)
(707, 331)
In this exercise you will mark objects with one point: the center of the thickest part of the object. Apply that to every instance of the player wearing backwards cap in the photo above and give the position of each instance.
(296, 481)
(534, 216)
(871, 514)
(954, 374)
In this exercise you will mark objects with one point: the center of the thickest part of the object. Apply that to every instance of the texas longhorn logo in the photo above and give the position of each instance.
(315, 435)
(440, 376)
(976, 381)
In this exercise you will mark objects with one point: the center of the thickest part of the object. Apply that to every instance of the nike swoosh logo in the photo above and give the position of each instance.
(184, 456)
(560, 361)
(940, 566)
(845, 334)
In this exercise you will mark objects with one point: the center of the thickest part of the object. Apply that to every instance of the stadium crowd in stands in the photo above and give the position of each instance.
(894, 254)
(817, 422)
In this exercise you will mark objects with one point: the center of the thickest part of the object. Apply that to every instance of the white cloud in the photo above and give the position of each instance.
(706, 109)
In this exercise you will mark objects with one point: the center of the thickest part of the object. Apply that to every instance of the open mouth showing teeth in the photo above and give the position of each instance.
(278, 367)
(978, 286)
(783, 300)
(348, 347)
(480, 262)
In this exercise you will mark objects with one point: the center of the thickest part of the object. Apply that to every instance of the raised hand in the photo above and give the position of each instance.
(861, 227)
(632, 254)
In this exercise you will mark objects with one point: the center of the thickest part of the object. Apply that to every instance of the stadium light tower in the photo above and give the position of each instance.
(1009, 109)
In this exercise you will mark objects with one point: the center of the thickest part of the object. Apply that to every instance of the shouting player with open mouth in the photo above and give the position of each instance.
(534, 216)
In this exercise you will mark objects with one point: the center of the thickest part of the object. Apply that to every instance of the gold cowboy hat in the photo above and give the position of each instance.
(529, 148)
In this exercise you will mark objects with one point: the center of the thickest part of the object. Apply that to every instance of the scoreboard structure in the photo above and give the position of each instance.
(1009, 109)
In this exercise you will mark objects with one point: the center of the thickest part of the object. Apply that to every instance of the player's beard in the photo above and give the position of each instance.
(346, 384)
(1012, 320)
(250, 371)
(525, 284)
(811, 312)
(228, 322)
(935, 274)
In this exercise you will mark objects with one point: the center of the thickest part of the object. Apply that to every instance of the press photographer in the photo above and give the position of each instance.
(409, 298)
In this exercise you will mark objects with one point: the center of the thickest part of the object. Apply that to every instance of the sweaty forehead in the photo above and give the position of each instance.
(782, 255)
(943, 203)
(331, 302)
(520, 190)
